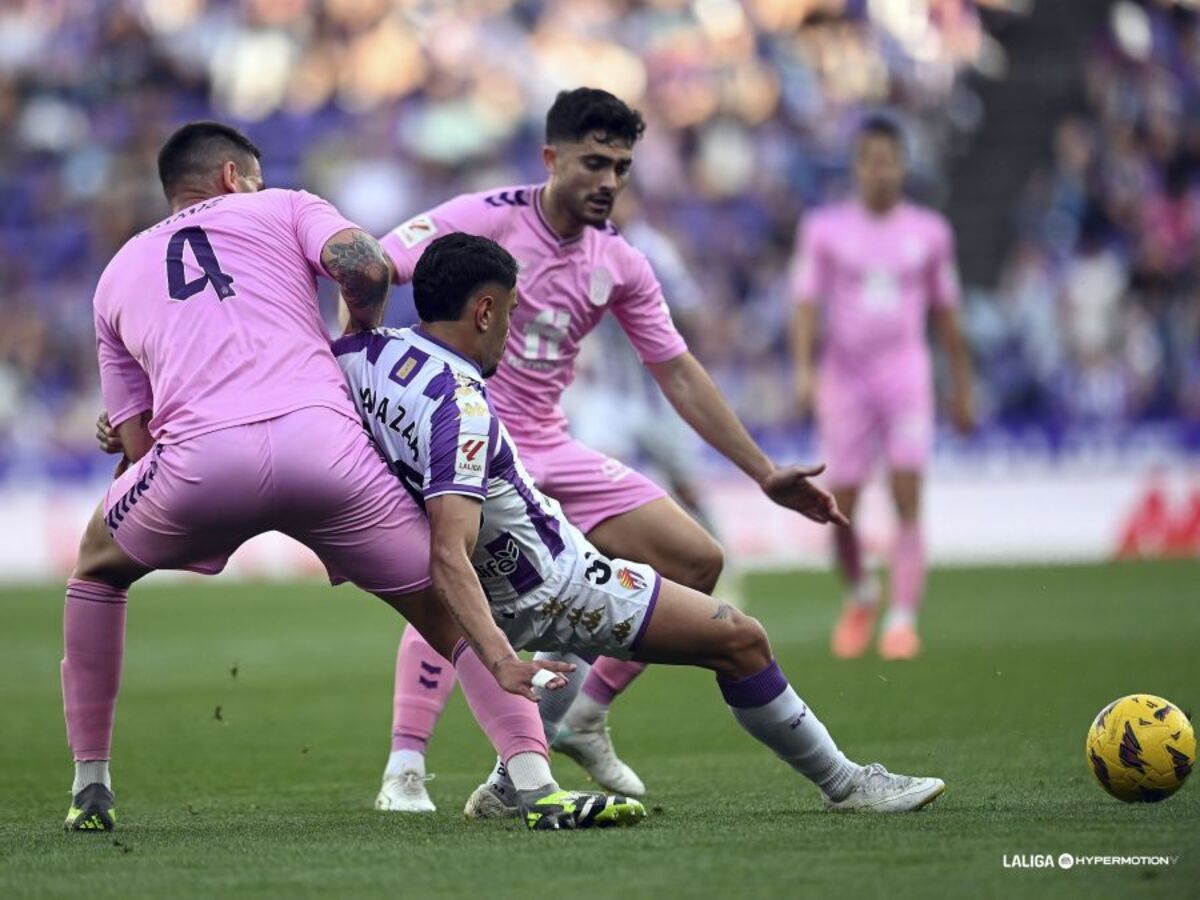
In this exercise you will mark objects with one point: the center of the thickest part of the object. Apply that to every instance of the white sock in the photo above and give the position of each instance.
(405, 761)
(866, 591)
(91, 771)
(586, 714)
(897, 617)
(786, 725)
(529, 770)
(554, 704)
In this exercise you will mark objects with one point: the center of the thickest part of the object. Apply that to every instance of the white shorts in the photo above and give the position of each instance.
(590, 605)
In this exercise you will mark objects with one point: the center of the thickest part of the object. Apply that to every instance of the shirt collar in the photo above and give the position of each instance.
(422, 339)
(547, 230)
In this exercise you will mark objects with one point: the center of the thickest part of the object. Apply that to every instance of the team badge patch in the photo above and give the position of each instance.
(600, 286)
(630, 580)
(415, 230)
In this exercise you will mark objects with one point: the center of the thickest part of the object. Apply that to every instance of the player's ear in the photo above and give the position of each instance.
(549, 156)
(485, 312)
(229, 177)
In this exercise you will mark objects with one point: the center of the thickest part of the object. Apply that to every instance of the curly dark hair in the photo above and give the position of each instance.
(576, 114)
(452, 268)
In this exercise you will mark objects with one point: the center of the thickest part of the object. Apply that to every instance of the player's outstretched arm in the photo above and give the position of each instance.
(697, 400)
(454, 529)
(358, 264)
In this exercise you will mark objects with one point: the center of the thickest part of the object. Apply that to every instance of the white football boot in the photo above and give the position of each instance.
(875, 789)
(490, 802)
(593, 749)
(405, 792)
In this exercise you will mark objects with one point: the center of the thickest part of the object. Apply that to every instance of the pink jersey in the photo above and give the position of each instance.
(210, 317)
(875, 279)
(565, 288)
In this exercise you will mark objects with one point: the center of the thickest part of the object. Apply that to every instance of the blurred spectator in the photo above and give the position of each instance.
(1111, 231)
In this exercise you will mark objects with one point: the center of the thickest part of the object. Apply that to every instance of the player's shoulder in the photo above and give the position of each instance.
(927, 217)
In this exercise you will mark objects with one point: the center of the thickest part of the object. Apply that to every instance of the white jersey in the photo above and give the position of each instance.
(427, 409)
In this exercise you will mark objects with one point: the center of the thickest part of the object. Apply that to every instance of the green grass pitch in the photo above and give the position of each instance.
(272, 795)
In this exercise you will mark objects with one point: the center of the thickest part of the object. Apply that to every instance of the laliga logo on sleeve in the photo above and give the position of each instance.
(470, 458)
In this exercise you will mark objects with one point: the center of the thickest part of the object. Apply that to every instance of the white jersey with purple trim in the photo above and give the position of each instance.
(427, 409)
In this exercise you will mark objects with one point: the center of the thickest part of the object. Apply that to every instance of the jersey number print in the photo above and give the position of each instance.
(177, 284)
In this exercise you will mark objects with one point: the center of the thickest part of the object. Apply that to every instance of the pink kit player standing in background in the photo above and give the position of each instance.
(575, 267)
(869, 273)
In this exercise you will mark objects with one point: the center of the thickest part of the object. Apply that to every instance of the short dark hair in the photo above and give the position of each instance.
(453, 268)
(576, 114)
(879, 125)
(198, 148)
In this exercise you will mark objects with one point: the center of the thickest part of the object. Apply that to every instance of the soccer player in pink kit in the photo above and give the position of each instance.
(869, 272)
(575, 268)
(210, 319)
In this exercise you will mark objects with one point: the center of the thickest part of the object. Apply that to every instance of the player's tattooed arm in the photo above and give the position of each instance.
(724, 611)
(358, 264)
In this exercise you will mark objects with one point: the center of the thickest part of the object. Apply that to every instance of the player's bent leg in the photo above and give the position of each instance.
(899, 639)
(514, 727)
(663, 535)
(860, 606)
(687, 627)
(93, 652)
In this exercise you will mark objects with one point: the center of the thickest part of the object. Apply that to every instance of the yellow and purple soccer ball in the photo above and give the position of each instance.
(1141, 748)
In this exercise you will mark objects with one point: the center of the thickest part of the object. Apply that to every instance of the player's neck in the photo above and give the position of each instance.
(450, 334)
(561, 222)
(190, 198)
(879, 208)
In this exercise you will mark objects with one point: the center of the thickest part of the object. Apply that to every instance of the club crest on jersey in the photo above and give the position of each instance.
(470, 459)
(415, 230)
(600, 286)
(630, 580)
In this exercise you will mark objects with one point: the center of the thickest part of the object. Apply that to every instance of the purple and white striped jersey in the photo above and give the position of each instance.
(427, 409)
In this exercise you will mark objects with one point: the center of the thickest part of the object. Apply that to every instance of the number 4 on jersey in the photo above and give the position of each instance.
(177, 284)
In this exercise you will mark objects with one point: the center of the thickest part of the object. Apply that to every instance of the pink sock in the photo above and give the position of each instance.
(424, 683)
(609, 677)
(512, 723)
(94, 647)
(848, 554)
(908, 569)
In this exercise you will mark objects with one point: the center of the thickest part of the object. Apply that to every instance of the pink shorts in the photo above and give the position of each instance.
(860, 419)
(312, 474)
(590, 486)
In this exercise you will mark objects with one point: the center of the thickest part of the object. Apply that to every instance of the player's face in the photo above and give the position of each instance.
(495, 338)
(879, 170)
(587, 176)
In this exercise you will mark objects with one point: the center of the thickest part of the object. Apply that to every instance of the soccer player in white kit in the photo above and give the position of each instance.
(496, 537)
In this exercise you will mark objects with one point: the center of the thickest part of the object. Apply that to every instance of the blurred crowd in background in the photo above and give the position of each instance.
(1097, 318)
(387, 107)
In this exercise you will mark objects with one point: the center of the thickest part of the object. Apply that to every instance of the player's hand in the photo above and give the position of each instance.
(789, 486)
(516, 676)
(805, 388)
(110, 441)
(962, 412)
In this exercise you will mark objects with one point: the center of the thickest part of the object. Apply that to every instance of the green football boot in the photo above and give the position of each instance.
(92, 810)
(556, 810)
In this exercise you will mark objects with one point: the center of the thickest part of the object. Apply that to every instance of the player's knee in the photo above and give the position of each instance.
(748, 649)
(704, 566)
